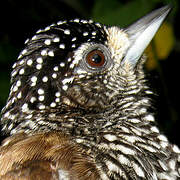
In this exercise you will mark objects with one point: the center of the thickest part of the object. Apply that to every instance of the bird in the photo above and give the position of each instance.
(79, 106)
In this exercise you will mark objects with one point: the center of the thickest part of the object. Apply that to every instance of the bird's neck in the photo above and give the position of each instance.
(77, 122)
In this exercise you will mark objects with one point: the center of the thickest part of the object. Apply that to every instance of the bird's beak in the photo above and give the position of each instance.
(141, 33)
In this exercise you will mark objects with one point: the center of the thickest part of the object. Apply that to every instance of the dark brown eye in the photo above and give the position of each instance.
(95, 58)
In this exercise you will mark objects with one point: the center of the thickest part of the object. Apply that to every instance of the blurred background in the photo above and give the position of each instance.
(19, 20)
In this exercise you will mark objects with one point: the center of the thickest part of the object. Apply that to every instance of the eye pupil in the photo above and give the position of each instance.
(95, 58)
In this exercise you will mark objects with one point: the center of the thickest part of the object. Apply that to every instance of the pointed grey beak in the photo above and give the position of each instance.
(141, 33)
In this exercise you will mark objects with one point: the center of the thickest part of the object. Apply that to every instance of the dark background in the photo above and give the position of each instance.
(19, 20)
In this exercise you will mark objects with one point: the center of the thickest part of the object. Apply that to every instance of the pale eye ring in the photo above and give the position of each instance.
(97, 57)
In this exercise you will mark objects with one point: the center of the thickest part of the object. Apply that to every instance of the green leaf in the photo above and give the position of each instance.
(116, 13)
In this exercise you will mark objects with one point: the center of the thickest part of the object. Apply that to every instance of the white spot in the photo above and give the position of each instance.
(12, 116)
(57, 100)
(54, 75)
(41, 98)
(53, 104)
(56, 68)
(67, 31)
(74, 39)
(149, 118)
(39, 60)
(110, 137)
(67, 80)
(20, 56)
(146, 101)
(14, 65)
(21, 71)
(41, 107)
(81, 76)
(34, 79)
(142, 110)
(155, 144)
(13, 100)
(14, 73)
(125, 129)
(25, 107)
(61, 22)
(176, 149)
(69, 59)
(29, 62)
(76, 20)
(47, 42)
(40, 91)
(105, 81)
(21, 62)
(164, 144)
(155, 129)
(172, 164)
(62, 46)
(58, 94)
(162, 138)
(134, 120)
(33, 99)
(91, 21)
(78, 140)
(73, 45)
(148, 148)
(71, 66)
(33, 84)
(125, 150)
(84, 21)
(45, 79)
(148, 92)
(56, 39)
(65, 87)
(15, 88)
(27, 40)
(24, 51)
(19, 96)
(123, 160)
(111, 166)
(18, 83)
(39, 31)
(29, 116)
(44, 52)
(130, 138)
(47, 28)
(94, 33)
(34, 37)
(63, 175)
(85, 34)
(163, 165)
(80, 71)
(62, 64)
(38, 66)
(138, 170)
(98, 24)
(164, 176)
(6, 115)
(51, 53)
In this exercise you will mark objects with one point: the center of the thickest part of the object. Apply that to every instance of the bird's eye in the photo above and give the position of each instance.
(95, 58)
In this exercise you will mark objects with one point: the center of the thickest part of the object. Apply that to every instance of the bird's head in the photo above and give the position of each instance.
(78, 65)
